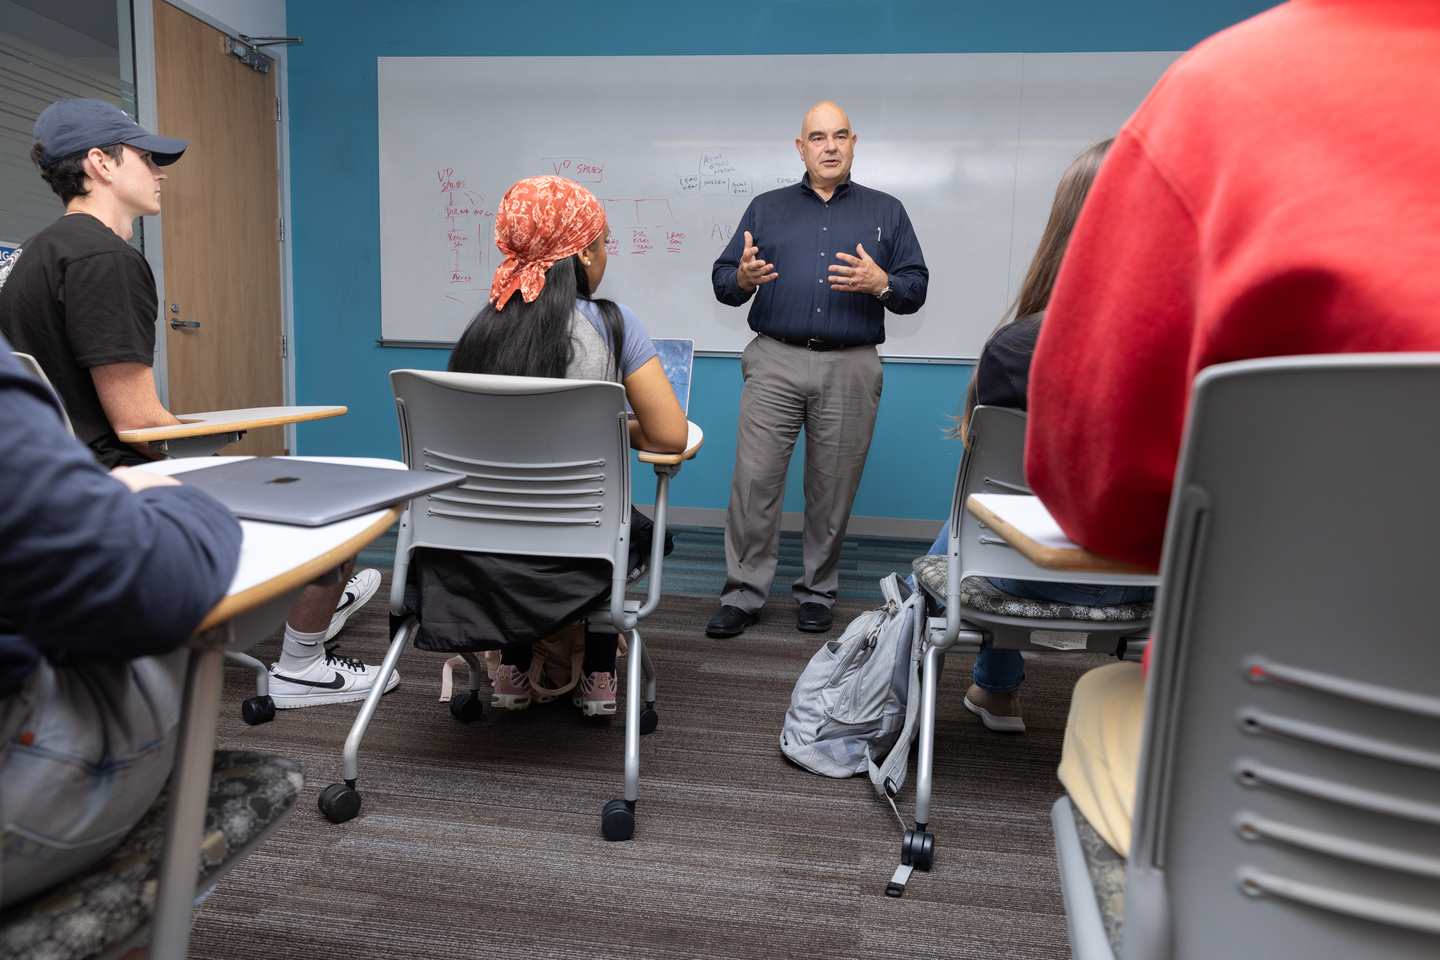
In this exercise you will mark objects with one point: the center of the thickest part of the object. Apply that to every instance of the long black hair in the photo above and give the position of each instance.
(533, 339)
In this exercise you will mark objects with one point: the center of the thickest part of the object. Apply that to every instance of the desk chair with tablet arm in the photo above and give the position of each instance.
(976, 613)
(547, 468)
(205, 434)
(1288, 789)
(259, 708)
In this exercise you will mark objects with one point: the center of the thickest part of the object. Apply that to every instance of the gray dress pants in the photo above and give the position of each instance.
(834, 395)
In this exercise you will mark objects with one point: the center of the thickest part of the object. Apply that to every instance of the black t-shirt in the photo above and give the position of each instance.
(1003, 373)
(76, 296)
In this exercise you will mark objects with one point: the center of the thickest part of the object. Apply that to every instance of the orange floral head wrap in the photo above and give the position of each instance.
(541, 220)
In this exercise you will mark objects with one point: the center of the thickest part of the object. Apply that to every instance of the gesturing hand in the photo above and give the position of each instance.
(863, 275)
(753, 272)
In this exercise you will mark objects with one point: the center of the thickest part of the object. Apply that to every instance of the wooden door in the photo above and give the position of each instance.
(221, 223)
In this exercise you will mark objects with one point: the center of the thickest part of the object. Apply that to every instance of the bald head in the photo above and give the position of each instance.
(827, 146)
(824, 114)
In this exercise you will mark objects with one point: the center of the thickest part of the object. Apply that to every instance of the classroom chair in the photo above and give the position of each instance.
(257, 709)
(547, 468)
(976, 613)
(32, 366)
(1288, 799)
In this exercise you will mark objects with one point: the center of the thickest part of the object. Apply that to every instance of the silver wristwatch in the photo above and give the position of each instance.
(883, 295)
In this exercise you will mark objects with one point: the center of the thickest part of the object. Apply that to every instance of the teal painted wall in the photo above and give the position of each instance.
(335, 191)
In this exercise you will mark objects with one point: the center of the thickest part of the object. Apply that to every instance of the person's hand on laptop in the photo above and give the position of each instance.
(138, 480)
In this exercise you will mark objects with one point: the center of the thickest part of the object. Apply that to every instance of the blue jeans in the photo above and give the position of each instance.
(1001, 671)
(1075, 594)
(89, 749)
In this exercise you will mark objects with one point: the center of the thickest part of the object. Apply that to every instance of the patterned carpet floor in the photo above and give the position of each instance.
(484, 840)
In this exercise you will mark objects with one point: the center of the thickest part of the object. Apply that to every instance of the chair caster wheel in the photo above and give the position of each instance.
(617, 820)
(257, 710)
(466, 708)
(918, 849)
(340, 802)
(649, 719)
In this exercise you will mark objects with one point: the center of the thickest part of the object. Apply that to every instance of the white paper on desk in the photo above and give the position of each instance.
(1029, 516)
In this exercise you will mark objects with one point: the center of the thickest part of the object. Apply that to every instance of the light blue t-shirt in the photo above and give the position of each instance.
(638, 349)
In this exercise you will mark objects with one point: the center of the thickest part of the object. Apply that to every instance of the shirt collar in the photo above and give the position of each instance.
(842, 189)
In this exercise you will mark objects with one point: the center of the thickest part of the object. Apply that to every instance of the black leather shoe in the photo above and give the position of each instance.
(813, 618)
(730, 622)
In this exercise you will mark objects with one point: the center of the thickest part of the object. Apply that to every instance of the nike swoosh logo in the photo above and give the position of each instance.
(334, 683)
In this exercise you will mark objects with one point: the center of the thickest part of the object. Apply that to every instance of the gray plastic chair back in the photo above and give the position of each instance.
(546, 466)
(995, 463)
(33, 366)
(1289, 790)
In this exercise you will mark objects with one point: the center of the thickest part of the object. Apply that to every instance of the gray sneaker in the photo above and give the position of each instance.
(1000, 711)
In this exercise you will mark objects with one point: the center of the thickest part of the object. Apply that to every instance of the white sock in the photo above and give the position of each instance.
(300, 650)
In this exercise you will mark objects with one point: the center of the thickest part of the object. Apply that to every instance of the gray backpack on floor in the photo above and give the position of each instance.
(850, 711)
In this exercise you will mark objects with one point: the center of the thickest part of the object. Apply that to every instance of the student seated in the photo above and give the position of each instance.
(82, 301)
(102, 578)
(1273, 196)
(1001, 380)
(543, 321)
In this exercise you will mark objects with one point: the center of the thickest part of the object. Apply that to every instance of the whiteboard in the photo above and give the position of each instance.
(972, 144)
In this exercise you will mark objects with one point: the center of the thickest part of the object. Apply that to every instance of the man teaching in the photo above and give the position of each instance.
(823, 260)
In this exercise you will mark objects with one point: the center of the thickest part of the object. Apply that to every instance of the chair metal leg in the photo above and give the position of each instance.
(259, 708)
(926, 766)
(262, 672)
(185, 818)
(341, 801)
(917, 847)
(372, 701)
(638, 657)
(617, 819)
(649, 669)
(467, 707)
(477, 670)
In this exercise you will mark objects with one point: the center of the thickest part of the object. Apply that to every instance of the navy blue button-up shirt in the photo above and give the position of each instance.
(801, 234)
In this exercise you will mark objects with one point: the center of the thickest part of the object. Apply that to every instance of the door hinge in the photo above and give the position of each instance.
(284, 347)
(282, 229)
(277, 109)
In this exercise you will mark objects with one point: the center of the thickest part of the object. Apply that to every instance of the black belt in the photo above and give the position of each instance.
(819, 346)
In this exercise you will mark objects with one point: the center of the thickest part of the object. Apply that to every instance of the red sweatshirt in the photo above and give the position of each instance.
(1277, 193)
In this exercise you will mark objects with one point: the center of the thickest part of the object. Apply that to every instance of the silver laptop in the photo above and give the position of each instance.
(308, 493)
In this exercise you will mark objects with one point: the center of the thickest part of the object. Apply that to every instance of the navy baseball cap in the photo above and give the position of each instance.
(68, 127)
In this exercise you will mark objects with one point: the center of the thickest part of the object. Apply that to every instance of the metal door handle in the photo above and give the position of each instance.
(177, 324)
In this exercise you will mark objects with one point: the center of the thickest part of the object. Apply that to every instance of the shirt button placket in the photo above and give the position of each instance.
(824, 228)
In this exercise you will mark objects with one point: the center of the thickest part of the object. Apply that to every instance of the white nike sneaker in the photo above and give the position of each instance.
(330, 679)
(358, 592)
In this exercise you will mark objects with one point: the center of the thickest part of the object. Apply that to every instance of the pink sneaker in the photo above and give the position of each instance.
(512, 688)
(595, 694)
